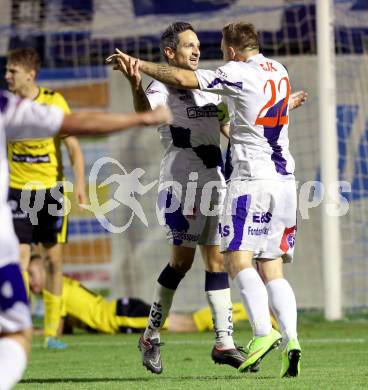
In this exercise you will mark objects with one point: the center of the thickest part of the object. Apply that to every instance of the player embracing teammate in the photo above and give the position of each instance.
(258, 221)
(192, 158)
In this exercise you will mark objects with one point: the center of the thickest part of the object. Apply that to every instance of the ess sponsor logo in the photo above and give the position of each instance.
(262, 217)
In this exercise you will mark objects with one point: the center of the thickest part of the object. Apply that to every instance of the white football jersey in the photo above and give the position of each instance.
(192, 141)
(19, 119)
(258, 94)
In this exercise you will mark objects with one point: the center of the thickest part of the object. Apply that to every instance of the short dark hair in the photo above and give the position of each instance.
(26, 57)
(170, 38)
(241, 36)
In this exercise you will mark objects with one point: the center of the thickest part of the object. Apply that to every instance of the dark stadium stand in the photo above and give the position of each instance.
(297, 34)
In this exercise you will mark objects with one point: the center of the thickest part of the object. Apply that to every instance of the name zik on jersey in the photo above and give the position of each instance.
(268, 67)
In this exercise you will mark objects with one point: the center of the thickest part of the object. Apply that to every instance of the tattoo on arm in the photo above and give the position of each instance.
(176, 77)
(166, 71)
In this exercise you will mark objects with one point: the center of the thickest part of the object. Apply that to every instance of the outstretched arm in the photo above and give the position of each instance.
(171, 75)
(100, 123)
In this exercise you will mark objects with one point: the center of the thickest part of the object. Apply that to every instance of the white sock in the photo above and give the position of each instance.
(255, 300)
(222, 308)
(160, 308)
(283, 305)
(13, 362)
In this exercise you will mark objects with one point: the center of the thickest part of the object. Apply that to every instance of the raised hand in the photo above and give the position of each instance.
(297, 99)
(127, 65)
(121, 56)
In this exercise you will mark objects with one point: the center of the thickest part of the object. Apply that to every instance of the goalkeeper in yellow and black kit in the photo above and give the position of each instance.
(85, 309)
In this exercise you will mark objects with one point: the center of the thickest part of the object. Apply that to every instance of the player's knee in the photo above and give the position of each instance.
(229, 266)
(271, 270)
(237, 261)
(182, 259)
(215, 265)
(214, 260)
(181, 266)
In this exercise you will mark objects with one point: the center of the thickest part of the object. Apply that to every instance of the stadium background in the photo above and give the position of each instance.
(73, 38)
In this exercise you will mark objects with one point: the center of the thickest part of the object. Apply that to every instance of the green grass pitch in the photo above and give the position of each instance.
(334, 356)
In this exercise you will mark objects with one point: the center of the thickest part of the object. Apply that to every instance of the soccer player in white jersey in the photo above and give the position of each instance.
(259, 215)
(24, 119)
(193, 160)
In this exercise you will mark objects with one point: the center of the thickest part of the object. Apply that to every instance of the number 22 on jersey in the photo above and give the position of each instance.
(278, 117)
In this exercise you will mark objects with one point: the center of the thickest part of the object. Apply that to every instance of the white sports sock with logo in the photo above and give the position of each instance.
(160, 308)
(221, 308)
(283, 305)
(13, 362)
(255, 300)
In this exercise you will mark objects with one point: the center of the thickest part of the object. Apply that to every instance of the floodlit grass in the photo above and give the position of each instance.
(334, 357)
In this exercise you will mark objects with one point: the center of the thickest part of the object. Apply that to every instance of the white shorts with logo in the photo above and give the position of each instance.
(191, 220)
(260, 216)
(14, 309)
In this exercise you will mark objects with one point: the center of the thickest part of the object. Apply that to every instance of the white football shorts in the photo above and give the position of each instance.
(14, 308)
(192, 220)
(260, 216)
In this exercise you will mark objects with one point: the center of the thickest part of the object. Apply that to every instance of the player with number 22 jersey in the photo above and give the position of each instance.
(260, 157)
